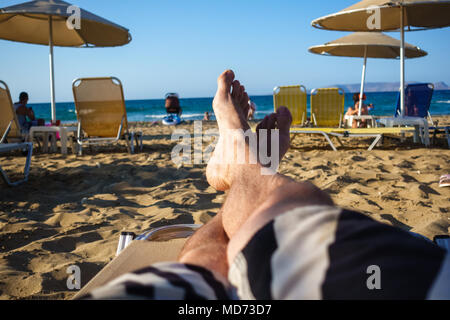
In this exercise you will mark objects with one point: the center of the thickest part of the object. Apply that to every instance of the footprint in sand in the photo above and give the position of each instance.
(69, 244)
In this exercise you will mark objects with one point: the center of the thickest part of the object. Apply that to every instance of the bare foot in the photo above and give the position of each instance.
(231, 109)
(230, 103)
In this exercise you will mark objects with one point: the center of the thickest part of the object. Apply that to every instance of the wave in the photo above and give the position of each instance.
(443, 101)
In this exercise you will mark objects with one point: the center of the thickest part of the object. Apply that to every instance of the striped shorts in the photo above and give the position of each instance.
(315, 252)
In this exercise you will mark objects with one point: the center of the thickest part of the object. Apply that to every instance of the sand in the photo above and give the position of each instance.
(73, 208)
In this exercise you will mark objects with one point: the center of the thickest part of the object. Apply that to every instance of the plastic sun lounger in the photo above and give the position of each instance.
(417, 101)
(7, 147)
(376, 133)
(294, 98)
(157, 245)
(327, 107)
(101, 113)
(417, 104)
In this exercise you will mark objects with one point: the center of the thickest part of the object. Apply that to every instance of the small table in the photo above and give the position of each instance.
(63, 131)
(361, 117)
(410, 121)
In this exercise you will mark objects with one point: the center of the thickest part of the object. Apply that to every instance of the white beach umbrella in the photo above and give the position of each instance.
(58, 23)
(385, 15)
(367, 45)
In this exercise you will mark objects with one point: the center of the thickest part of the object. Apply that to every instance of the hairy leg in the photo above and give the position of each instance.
(253, 198)
(208, 246)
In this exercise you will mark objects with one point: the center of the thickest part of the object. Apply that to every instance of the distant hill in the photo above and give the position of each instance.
(384, 86)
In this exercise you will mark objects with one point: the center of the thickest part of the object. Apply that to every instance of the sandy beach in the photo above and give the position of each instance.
(73, 208)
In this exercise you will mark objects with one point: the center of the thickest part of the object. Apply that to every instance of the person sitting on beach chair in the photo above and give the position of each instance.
(25, 115)
(276, 238)
(354, 111)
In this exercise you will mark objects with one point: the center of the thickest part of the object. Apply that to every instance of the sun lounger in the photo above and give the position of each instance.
(157, 245)
(416, 111)
(417, 101)
(7, 147)
(10, 130)
(327, 107)
(376, 133)
(294, 98)
(101, 113)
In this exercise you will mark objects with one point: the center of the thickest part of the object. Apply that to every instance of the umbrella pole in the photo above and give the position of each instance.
(402, 64)
(52, 74)
(363, 80)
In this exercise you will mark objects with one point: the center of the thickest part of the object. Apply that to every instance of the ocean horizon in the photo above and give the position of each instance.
(150, 110)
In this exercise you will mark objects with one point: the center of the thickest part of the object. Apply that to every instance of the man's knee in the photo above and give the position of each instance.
(299, 194)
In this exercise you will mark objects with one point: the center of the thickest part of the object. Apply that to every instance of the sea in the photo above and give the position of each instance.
(194, 108)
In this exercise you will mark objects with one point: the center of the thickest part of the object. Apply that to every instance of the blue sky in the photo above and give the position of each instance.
(182, 46)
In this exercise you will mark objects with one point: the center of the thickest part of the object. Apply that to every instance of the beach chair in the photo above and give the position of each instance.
(157, 245)
(10, 131)
(294, 98)
(416, 111)
(101, 113)
(9, 125)
(327, 107)
(7, 147)
(418, 98)
(417, 101)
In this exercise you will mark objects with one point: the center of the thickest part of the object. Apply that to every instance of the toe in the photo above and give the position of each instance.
(283, 118)
(225, 81)
(263, 123)
(271, 122)
(245, 104)
(236, 86)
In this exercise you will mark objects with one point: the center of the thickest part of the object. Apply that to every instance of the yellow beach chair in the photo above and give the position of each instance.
(101, 113)
(327, 107)
(9, 125)
(294, 98)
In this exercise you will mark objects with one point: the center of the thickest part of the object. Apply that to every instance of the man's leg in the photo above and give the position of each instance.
(250, 192)
(208, 246)
(288, 241)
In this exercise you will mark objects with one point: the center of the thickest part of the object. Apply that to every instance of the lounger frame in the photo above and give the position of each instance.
(377, 134)
(7, 147)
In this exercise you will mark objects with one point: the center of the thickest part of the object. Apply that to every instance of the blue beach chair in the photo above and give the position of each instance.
(417, 101)
(417, 104)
